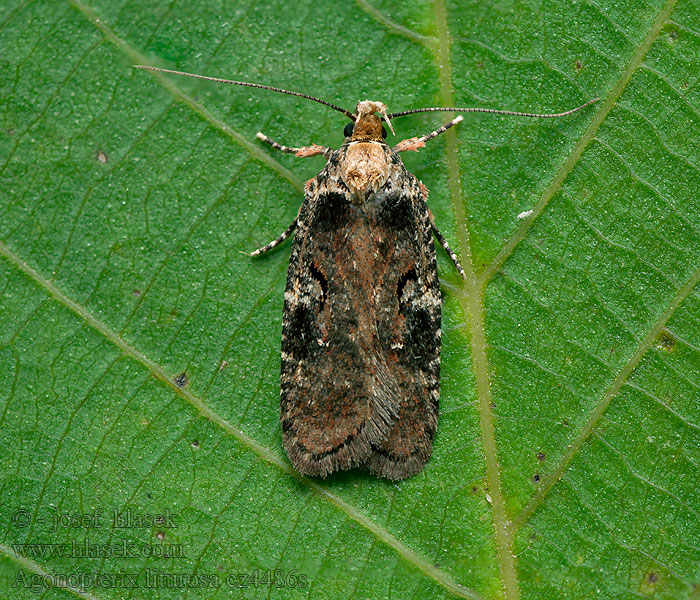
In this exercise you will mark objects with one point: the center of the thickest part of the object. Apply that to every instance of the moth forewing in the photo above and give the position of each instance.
(361, 321)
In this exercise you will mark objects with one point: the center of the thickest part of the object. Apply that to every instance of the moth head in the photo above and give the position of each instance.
(368, 126)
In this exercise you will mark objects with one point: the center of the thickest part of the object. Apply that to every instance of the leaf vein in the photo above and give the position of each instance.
(88, 192)
(61, 440)
(241, 140)
(34, 567)
(595, 416)
(177, 245)
(643, 479)
(575, 155)
(395, 27)
(265, 454)
(42, 112)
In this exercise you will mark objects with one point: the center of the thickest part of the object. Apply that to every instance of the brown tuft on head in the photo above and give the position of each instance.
(368, 128)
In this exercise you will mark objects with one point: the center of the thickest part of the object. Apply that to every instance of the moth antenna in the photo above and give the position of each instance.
(492, 111)
(248, 84)
(388, 122)
(382, 111)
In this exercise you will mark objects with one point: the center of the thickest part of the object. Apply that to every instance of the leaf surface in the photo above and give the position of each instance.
(139, 350)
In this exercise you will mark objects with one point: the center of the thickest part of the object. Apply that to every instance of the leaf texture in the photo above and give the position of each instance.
(139, 350)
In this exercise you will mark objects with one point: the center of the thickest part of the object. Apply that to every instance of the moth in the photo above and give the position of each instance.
(360, 377)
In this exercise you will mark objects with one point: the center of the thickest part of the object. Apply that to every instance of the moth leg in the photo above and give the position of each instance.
(419, 142)
(277, 242)
(443, 242)
(302, 152)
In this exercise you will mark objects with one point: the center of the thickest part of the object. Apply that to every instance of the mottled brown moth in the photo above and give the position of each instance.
(360, 381)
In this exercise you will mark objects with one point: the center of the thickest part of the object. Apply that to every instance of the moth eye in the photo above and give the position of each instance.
(383, 132)
(347, 132)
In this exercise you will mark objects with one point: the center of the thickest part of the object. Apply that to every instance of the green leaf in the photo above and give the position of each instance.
(139, 349)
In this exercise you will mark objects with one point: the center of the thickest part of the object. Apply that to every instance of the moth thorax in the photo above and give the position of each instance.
(364, 169)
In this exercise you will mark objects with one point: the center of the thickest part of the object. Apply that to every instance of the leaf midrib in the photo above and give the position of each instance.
(508, 248)
(471, 296)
